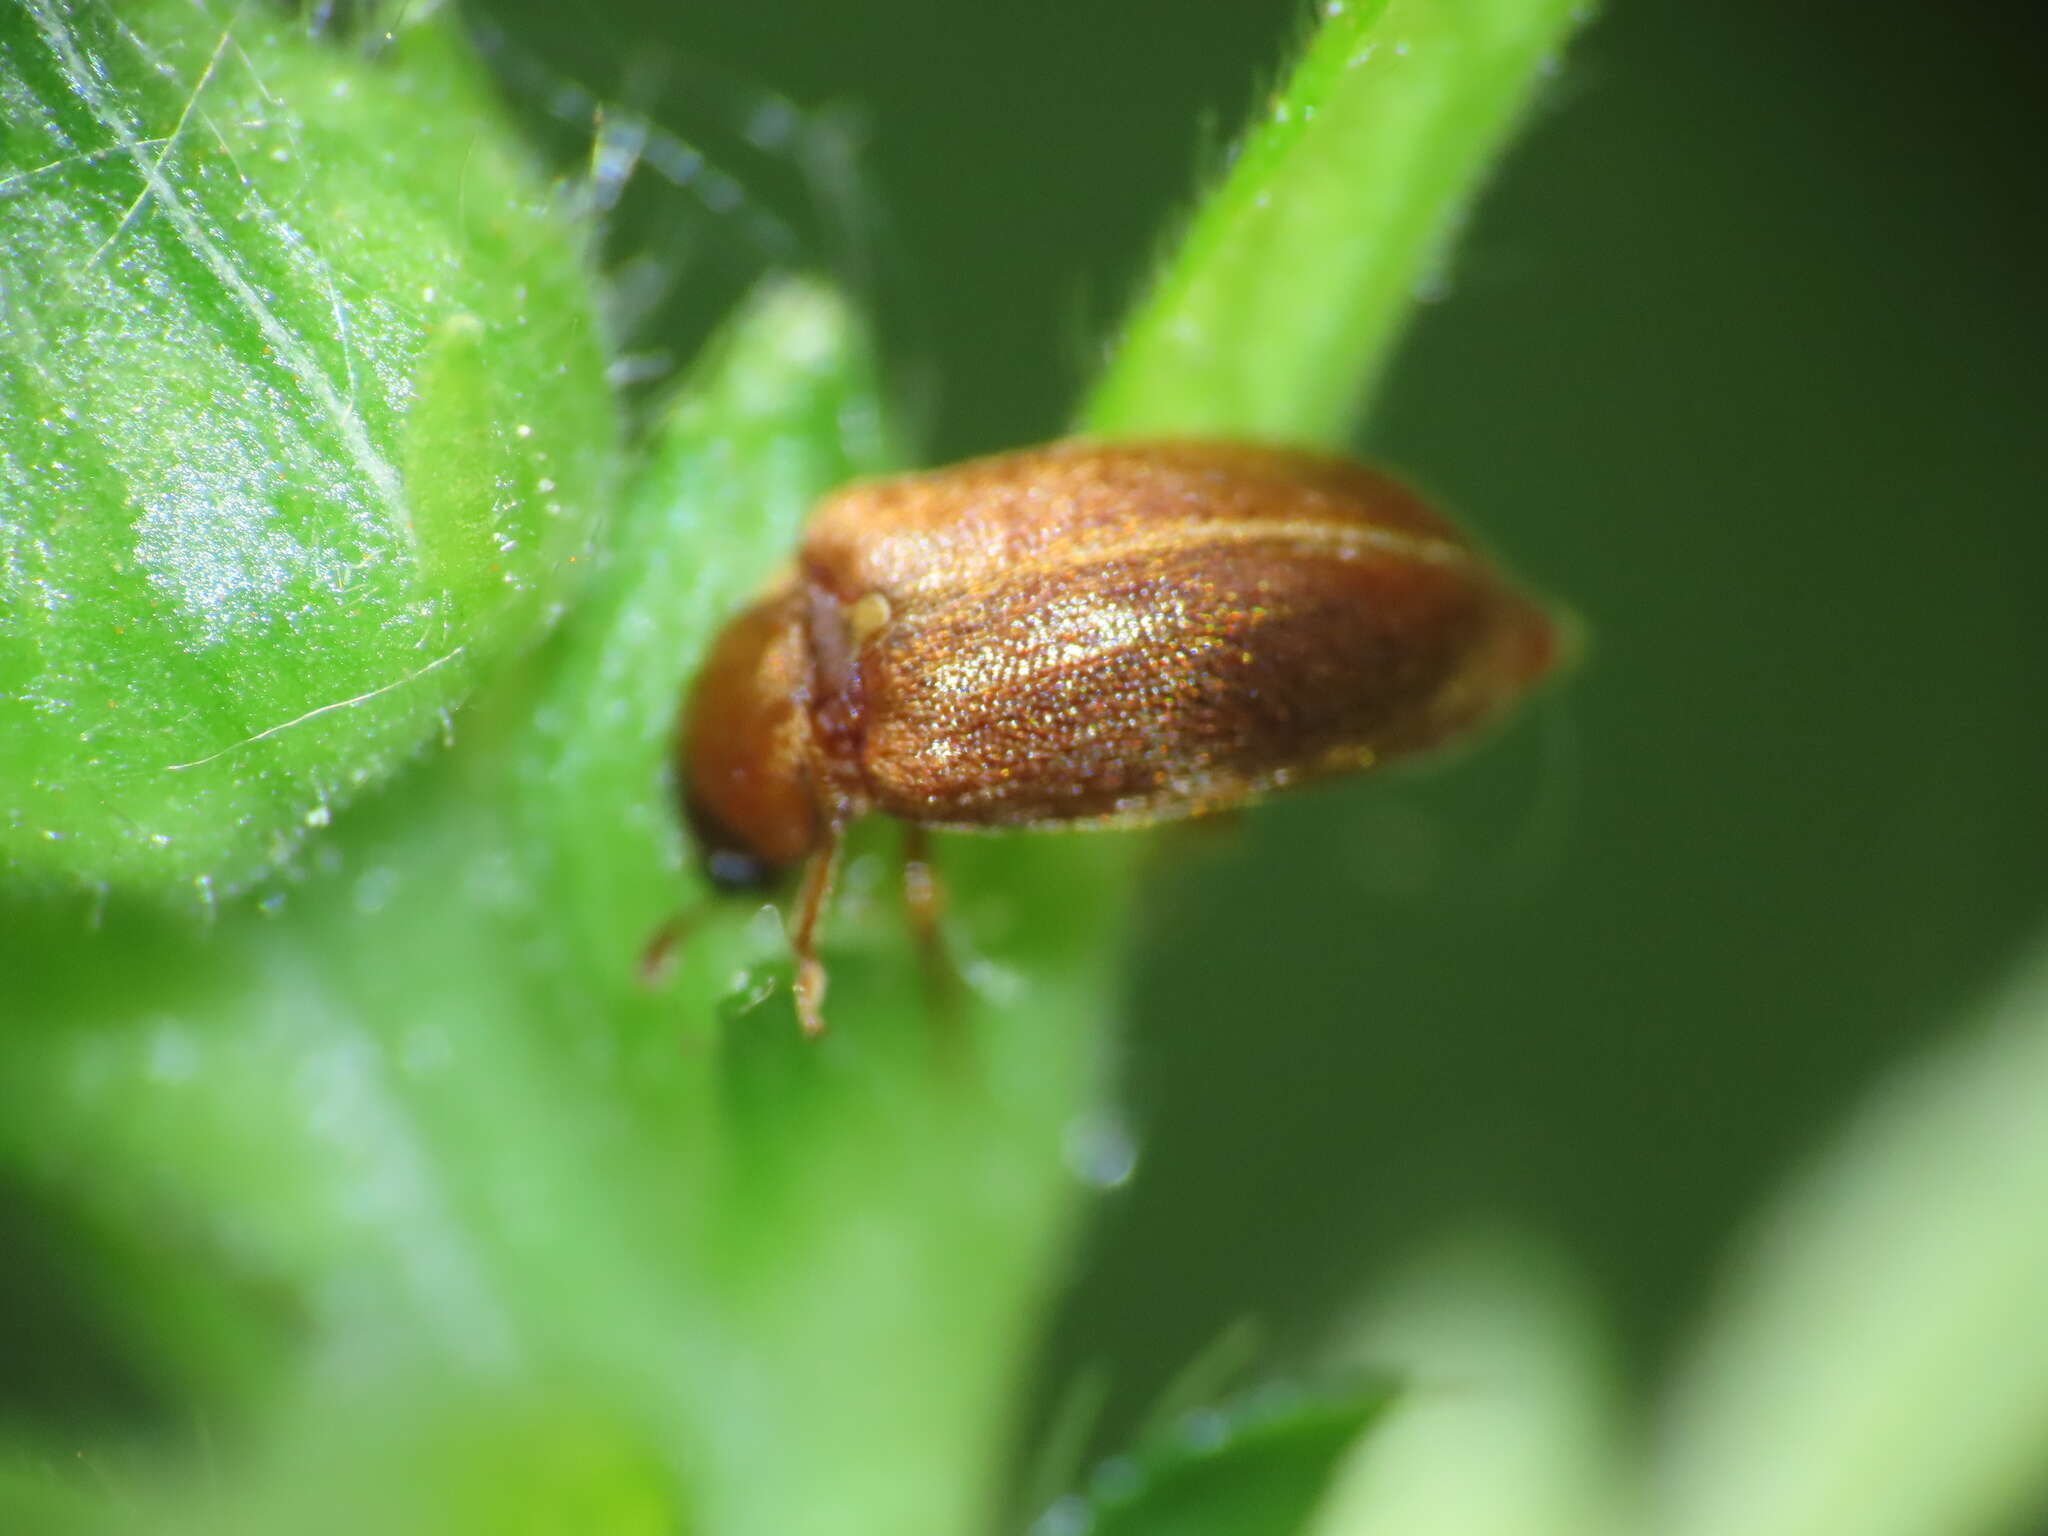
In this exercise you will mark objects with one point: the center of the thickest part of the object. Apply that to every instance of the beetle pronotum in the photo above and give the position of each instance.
(1088, 635)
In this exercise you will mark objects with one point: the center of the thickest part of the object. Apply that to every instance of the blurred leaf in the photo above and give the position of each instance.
(447, 1463)
(1507, 1423)
(1256, 1468)
(302, 425)
(1287, 294)
(35, 1500)
(1879, 1360)
(781, 408)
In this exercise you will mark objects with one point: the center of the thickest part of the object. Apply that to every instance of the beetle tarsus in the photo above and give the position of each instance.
(810, 996)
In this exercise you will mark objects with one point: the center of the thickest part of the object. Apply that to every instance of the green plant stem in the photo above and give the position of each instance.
(1288, 292)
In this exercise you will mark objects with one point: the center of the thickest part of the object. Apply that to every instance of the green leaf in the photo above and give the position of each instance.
(1256, 1468)
(1286, 296)
(432, 1112)
(1879, 1361)
(302, 425)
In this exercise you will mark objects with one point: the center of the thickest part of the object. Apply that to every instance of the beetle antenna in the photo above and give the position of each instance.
(658, 956)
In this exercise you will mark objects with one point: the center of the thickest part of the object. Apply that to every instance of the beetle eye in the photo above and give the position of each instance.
(734, 871)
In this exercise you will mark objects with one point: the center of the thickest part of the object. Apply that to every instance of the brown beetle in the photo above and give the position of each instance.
(1088, 635)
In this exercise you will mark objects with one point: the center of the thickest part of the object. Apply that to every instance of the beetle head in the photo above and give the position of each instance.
(744, 764)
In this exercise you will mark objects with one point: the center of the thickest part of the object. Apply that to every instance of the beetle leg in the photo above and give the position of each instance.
(803, 931)
(924, 896)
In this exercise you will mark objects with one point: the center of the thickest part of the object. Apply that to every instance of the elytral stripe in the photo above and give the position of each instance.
(1344, 540)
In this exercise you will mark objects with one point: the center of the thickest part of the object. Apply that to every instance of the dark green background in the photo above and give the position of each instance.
(1741, 356)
